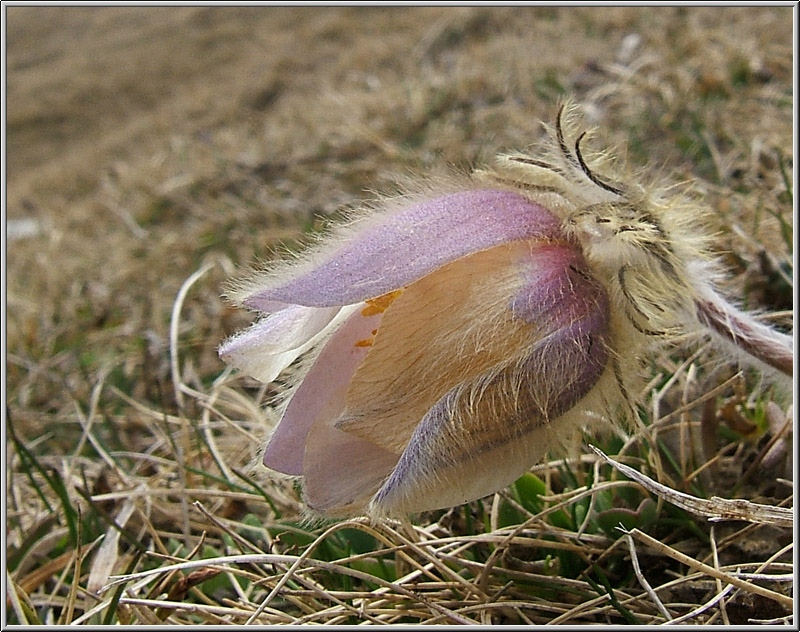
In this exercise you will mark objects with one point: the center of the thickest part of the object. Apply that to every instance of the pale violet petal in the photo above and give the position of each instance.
(408, 245)
(342, 471)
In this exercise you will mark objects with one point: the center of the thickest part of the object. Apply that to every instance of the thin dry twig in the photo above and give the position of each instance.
(715, 509)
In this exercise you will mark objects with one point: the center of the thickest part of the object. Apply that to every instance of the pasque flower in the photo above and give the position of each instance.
(455, 335)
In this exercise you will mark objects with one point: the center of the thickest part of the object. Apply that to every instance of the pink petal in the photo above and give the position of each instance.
(321, 394)
(408, 245)
(342, 471)
(560, 294)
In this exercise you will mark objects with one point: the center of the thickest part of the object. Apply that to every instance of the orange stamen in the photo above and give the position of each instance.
(380, 304)
(376, 306)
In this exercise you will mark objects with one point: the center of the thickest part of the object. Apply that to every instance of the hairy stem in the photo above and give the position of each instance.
(746, 334)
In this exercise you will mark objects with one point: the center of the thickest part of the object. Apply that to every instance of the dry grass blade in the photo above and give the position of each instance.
(174, 328)
(645, 584)
(15, 600)
(108, 553)
(296, 564)
(710, 570)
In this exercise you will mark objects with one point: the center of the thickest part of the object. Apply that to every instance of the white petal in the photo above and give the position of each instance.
(259, 352)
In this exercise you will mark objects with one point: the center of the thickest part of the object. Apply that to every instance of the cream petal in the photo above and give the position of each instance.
(280, 331)
(447, 328)
(483, 435)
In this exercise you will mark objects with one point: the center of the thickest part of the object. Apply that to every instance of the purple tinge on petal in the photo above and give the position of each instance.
(410, 244)
(321, 395)
(465, 447)
(560, 293)
(450, 462)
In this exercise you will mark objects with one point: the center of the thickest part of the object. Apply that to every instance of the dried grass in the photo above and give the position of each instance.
(151, 151)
